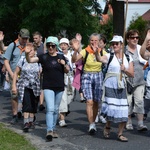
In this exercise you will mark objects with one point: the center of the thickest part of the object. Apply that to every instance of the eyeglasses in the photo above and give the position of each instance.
(115, 43)
(50, 45)
(134, 37)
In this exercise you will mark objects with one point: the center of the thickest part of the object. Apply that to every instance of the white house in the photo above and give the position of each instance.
(138, 7)
(135, 7)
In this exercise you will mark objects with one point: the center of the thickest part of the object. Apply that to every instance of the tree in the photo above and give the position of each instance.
(48, 17)
(141, 25)
(10, 18)
(107, 29)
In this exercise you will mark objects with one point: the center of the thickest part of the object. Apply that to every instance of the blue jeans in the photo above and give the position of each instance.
(52, 99)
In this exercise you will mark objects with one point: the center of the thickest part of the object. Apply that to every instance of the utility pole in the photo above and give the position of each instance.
(118, 17)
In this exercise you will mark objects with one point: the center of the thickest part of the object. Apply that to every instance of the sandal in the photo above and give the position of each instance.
(106, 132)
(122, 138)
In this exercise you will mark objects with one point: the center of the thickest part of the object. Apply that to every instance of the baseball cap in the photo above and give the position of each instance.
(64, 40)
(117, 38)
(52, 39)
(24, 33)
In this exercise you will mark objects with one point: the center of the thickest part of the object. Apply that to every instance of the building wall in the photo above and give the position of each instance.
(133, 9)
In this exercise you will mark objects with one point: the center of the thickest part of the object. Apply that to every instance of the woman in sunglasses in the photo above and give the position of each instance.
(54, 66)
(115, 105)
(136, 100)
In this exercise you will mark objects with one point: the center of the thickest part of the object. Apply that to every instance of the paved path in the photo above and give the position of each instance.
(74, 137)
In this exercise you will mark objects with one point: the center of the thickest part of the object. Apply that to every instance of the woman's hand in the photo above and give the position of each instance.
(27, 49)
(122, 67)
(148, 40)
(14, 89)
(75, 45)
(95, 47)
(1, 36)
(61, 61)
(148, 35)
(78, 37)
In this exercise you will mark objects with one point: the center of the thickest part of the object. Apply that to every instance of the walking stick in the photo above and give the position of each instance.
(124, 31)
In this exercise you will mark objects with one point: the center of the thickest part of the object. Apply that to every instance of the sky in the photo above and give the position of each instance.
(102, 3)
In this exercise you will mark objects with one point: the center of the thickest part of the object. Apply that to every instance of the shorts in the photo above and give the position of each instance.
(136, 100)
(30, 101)
(92, 86)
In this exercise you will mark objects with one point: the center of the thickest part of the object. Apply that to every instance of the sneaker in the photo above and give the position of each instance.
(55, 135)
(19, 114)
(14, 120)
(133, 115)
(129, 126)
(142, 128)
(34, 119)
(82, 100)
(96, 120)
(26, 127)
(62, 123)
(145, 117)
(92, 129)
(49, 135)
(1, 89)
(31, 125)
(41, 107)
(102, 119)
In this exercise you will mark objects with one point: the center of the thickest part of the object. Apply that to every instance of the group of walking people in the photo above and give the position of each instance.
(122, 64)
(105, 94)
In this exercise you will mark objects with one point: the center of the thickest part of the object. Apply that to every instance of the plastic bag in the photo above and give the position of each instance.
(146, 72)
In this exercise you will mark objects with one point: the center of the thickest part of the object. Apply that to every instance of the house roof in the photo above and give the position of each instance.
(146, 16)
(137, 1)
(144, 1)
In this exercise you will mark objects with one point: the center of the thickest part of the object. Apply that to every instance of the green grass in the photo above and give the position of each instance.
(10, 140)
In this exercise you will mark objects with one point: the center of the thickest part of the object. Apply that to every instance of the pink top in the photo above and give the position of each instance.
(77, 77)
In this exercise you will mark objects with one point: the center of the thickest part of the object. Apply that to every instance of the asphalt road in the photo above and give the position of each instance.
(75, 135)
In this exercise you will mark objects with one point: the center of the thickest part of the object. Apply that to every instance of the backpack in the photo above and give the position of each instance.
(21, 49)
(105, 68)
(146, 69)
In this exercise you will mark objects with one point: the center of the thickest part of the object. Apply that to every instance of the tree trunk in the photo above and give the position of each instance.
(118, 17)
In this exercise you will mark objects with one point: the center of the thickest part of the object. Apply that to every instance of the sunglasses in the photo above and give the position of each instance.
(50, 45)
(115, 43)
(134, 37)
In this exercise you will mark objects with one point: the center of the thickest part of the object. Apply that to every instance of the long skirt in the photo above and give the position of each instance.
(115, 104)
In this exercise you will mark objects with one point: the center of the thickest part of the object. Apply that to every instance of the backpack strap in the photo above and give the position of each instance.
(109, 61)
(13, 49)
(84, 62)
(103, 65)
(23, 61)
(127, 56)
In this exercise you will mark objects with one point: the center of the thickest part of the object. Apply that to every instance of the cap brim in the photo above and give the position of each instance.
(25, 36)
